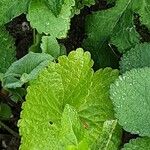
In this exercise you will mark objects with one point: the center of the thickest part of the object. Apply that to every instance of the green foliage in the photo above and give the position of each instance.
(138, 144)
(71, 108)
(7, 50)
(25, 69)
(137, 57)
(131, 98)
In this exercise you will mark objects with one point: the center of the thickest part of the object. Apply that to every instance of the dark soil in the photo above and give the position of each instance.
(20, 29)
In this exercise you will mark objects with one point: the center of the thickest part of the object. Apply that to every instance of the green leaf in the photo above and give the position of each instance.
(69, 83)
(50, 24)
(137, 57)
(131, 98)
(25, 69)
(138, 144)
(12, 8)
(7, 50)
(5, 111)
(115, 24)
(50, 46)
(55, 6)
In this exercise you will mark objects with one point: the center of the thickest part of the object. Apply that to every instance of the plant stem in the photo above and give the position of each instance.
(34, 36)
(15, 134)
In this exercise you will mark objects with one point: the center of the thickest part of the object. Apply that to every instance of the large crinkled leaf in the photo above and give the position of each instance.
(12, 8)
(43, 19)
(7, 50)
(115, 24)
(25, 69)
(50, 46)
(137, 57)
(138, 144)
(131, 98)
(69, 83)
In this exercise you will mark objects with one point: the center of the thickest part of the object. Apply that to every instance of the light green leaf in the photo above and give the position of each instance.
(12, 8)
(55, 6)
(69, 83)
(42, 18)
(25, 69)
(137, 57)
(7, 50)
(5, 111)
(138, 144)
(131, 98)
(50, 46)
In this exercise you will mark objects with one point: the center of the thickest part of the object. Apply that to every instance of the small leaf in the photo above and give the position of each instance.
(50, 46)
(25, 69)
(131, 98)
(41, 18)
(5, 111)
(137, 57)
(138, 144)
